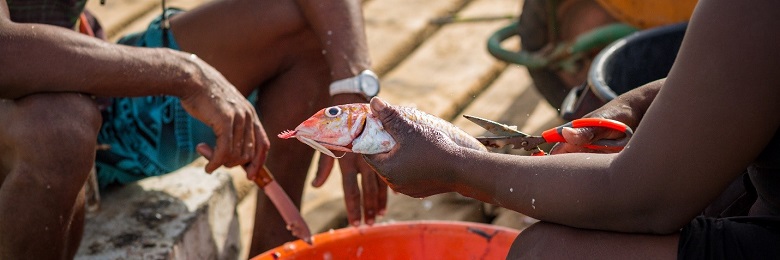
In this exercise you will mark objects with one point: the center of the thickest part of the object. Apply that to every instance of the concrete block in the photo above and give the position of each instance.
(186, 214)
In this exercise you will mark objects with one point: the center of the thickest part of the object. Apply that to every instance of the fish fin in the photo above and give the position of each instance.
(317, 146)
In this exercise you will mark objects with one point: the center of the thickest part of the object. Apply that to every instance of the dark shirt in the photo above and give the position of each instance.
(63, 13)
(765, 174)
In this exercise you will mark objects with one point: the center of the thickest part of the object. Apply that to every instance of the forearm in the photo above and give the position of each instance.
(339, 25)
(579, 190)
(46, 58)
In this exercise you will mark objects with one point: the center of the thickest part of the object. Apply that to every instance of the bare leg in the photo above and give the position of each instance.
(265, 45)
(47, 147)
(545, 240)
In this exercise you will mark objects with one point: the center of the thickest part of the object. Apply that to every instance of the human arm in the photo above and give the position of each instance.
(715, 113)
(38, 58)
(339, 26)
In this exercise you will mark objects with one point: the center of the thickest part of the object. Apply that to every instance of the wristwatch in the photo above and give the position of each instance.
(366, 83)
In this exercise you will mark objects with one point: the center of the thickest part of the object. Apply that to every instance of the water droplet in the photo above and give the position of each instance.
(324, 52)
(427, 204)
(330, 32)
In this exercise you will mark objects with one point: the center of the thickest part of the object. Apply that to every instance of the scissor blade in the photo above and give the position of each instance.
(290, 213)
(495, 127)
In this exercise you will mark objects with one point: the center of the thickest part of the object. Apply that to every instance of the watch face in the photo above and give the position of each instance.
(369, 85)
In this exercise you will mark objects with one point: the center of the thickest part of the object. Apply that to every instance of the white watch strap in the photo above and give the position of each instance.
(348, 85)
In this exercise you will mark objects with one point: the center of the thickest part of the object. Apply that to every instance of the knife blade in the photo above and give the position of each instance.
(290, 213)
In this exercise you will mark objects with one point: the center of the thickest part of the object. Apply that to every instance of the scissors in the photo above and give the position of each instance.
(510, 135)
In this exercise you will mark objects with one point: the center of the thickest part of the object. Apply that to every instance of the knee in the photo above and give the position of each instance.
(535, 241)
(50, 126)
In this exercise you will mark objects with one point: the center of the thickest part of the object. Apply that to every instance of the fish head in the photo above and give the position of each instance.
(332, 128)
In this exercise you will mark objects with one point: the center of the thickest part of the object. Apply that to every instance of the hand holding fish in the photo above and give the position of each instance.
(365, 199)
(354, 128)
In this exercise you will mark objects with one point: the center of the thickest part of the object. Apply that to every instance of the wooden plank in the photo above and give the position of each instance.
(394, 28)
(451, 67)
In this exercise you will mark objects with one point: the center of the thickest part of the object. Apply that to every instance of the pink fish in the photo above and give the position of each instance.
(353, 128)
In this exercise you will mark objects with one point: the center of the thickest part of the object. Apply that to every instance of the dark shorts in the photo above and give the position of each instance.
(731, 238)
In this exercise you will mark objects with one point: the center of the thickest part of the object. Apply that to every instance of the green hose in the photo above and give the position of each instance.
(596, 38)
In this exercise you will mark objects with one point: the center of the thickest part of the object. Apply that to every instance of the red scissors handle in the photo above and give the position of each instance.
(555, 135)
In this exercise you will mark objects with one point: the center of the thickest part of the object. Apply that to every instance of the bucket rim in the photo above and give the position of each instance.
(290, 249)
(596, 74)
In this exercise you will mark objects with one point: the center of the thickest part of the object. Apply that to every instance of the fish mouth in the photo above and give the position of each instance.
(287, 134)
(322, 147)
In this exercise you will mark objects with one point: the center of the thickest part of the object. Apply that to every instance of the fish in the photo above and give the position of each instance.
(354, 128)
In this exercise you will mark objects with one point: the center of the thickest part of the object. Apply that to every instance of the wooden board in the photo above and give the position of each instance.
(450, 68)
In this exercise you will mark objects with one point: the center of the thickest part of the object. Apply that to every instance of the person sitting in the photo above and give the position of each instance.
(286, 52)
(696, 131)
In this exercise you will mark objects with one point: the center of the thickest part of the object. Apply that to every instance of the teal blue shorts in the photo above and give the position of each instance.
(148, 136)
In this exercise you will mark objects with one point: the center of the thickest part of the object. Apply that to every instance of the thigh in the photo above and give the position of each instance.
(259, 40)
(545, 240)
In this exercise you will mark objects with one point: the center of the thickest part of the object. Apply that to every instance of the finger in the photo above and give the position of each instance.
(324, 168)
(369, 183)
(578, 136)
(205, 150)
(261, 151)
(236, 157)
(351, 195)
(222, 151)
(561, 148)
(248, 144)
(391, 119)
(381, 197)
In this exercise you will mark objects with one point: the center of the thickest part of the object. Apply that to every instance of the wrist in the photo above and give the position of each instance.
(188, 76)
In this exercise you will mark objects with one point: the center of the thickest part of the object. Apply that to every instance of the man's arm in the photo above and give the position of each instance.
(339, 26)
(714, 115)
(38, 58)
(47, 58)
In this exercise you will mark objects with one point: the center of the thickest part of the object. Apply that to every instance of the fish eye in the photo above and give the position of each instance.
(333, 111)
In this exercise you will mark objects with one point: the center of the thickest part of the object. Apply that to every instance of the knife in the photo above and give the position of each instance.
(288, 210)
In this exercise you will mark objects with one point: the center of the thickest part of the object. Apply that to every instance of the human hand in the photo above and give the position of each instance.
(374, 190)
(241, 139)
(421, 162)
(578, 138)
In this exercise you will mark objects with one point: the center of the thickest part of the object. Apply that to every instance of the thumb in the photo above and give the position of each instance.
(391, 119)
(578, 136)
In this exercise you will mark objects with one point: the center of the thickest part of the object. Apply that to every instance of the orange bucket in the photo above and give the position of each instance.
(403, 240)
